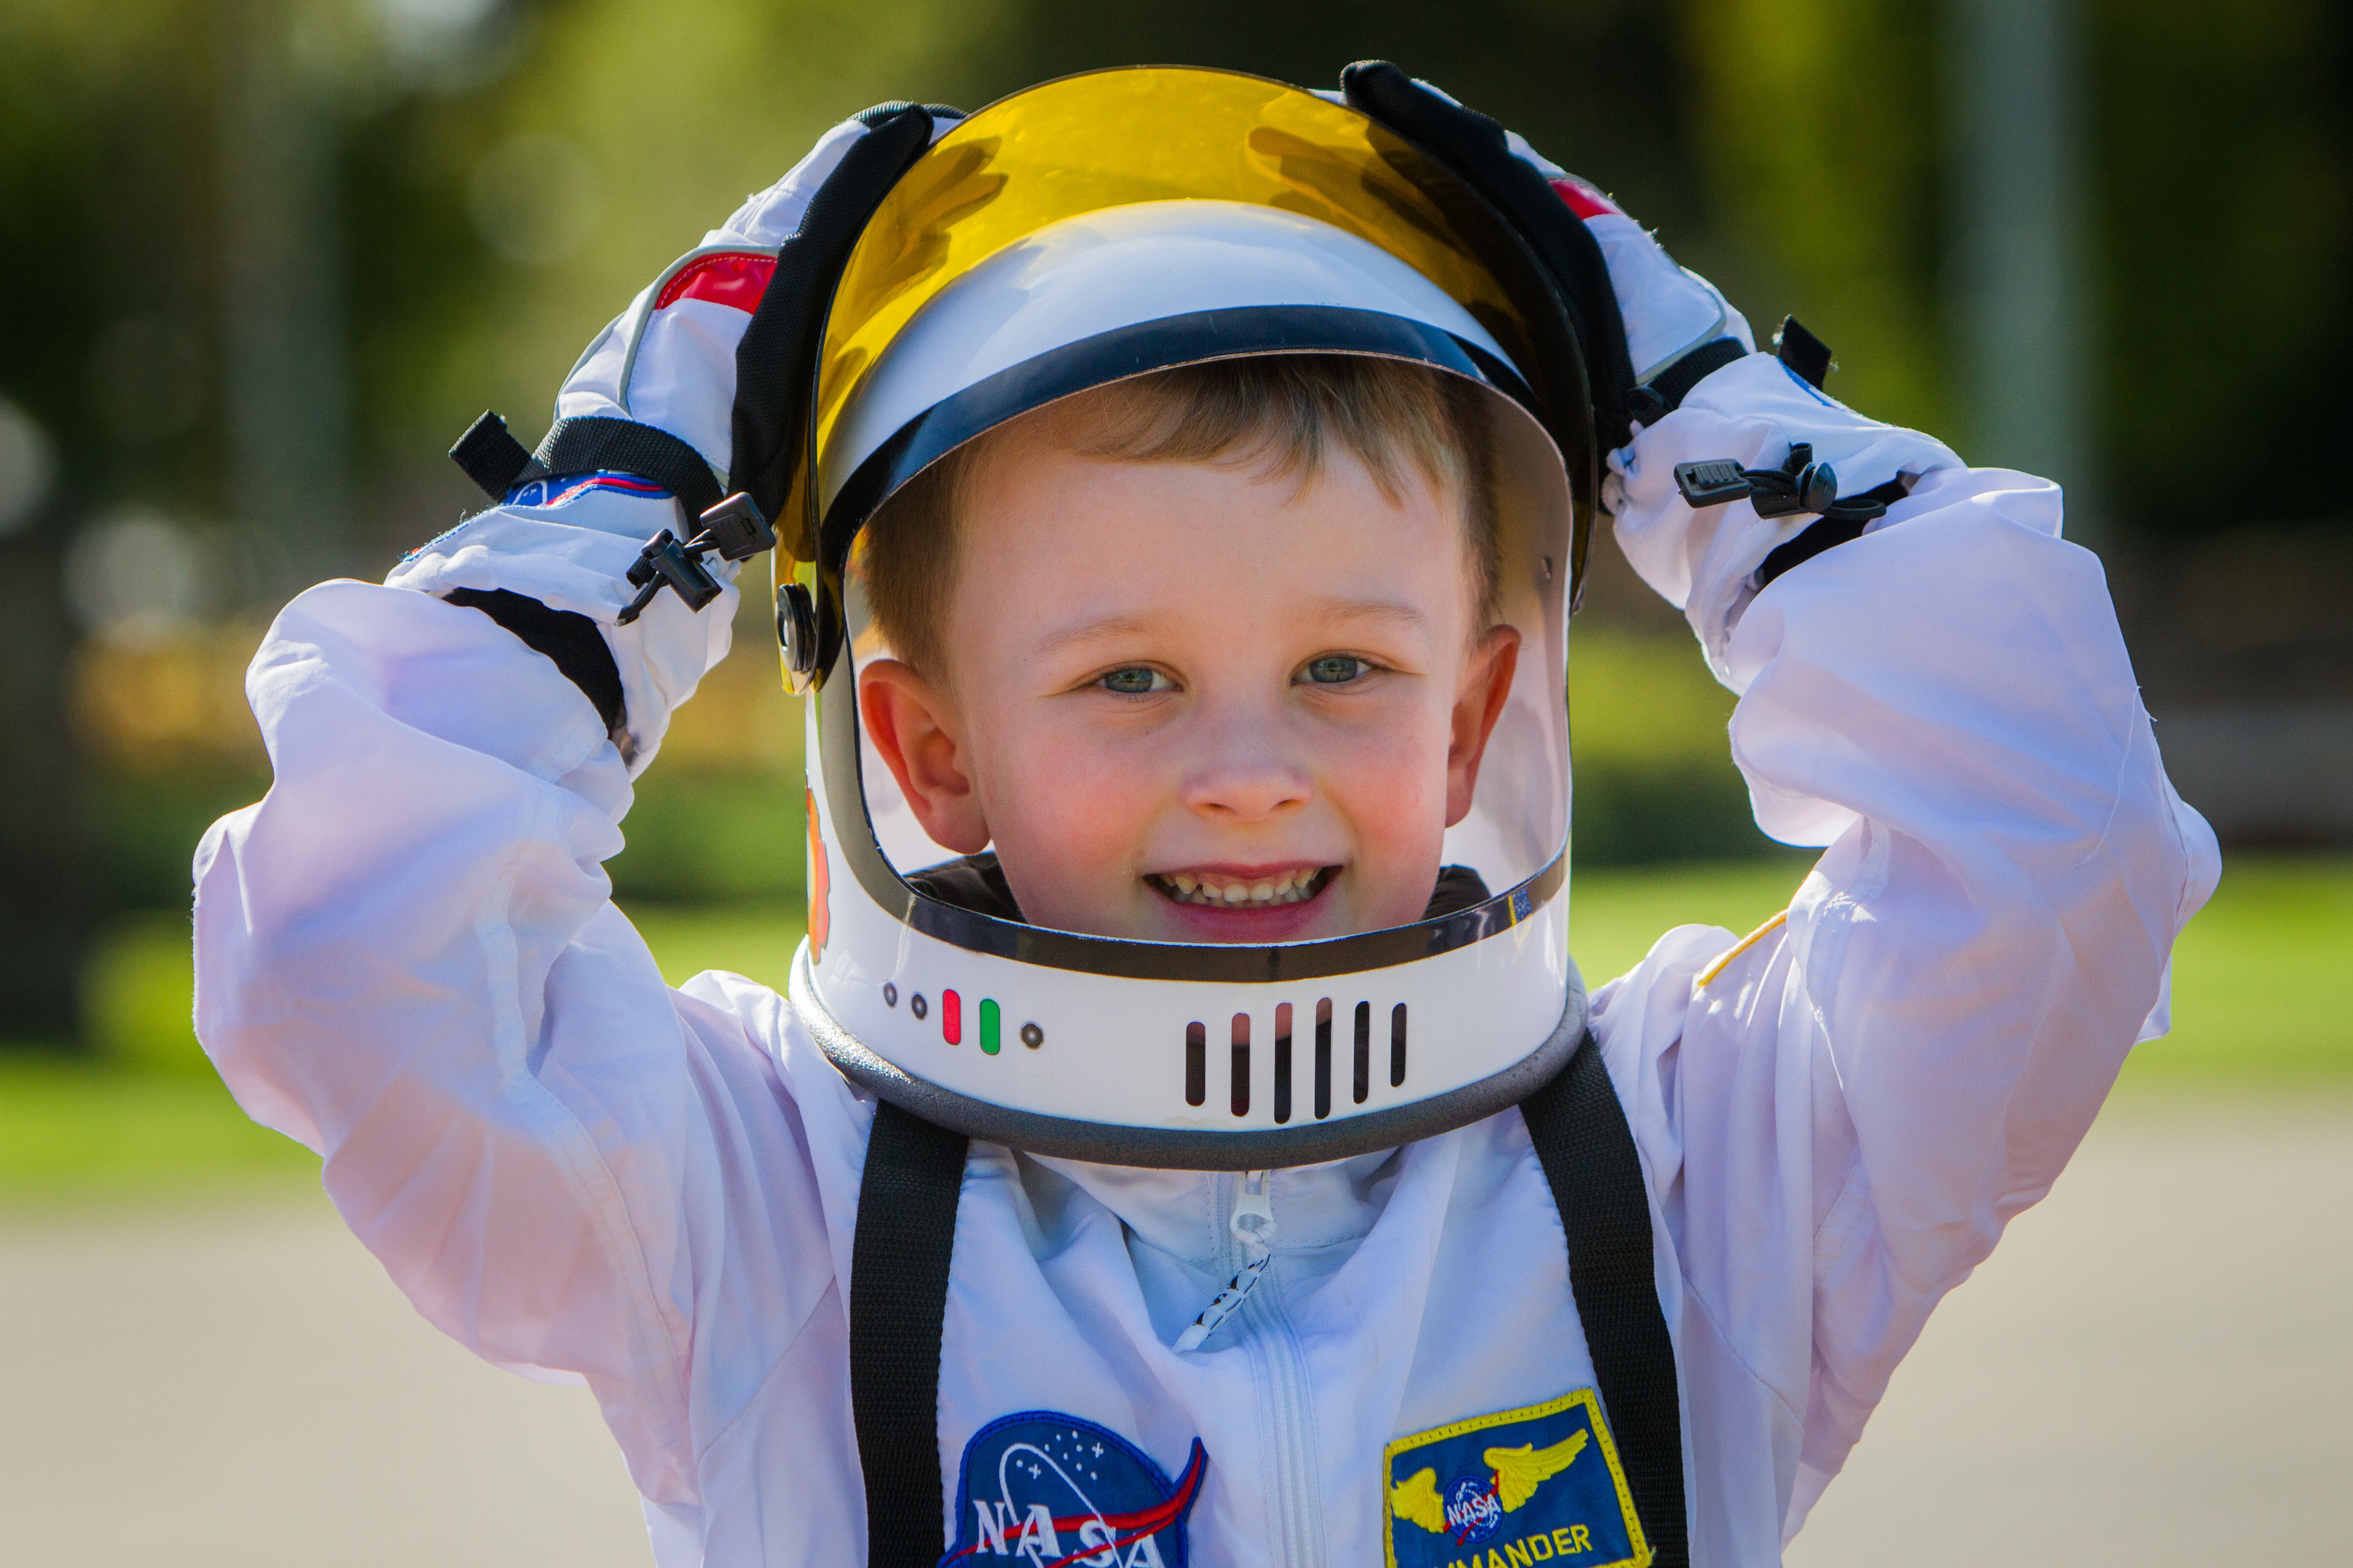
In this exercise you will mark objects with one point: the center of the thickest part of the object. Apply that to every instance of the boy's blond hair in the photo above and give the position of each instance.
(1284, 414)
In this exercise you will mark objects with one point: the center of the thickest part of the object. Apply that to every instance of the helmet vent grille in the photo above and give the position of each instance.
(1283, 1102)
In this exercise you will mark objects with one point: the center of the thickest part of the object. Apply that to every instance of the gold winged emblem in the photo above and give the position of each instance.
(1518, 1472)
(1416, 1498)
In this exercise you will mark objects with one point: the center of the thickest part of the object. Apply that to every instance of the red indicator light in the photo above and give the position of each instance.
(952, 1017)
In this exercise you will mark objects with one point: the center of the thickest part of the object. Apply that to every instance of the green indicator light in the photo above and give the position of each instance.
(988, 1025)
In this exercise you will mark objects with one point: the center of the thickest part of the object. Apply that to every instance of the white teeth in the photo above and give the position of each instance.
(1290, 887)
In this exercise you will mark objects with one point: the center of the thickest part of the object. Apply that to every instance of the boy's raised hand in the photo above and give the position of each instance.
(689, 394)
(1649, 328)
(1668, 310)
(1675, 379)
(707, 351)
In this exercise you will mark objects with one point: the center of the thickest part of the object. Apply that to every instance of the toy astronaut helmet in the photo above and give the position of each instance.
(1111, 226)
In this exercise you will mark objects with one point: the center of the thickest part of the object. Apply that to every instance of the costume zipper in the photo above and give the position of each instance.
(1280, 1369)
(1251, 1226)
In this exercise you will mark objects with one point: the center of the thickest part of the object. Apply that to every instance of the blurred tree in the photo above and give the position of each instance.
(2016, 299)
(46, 910)
(98, 353)
(1816, 124)
(103, 206)
(624, 132)
(285, 378)
(2223, 178)
(493, 179)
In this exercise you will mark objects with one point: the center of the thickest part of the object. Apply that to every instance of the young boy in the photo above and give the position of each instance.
(1203, 551)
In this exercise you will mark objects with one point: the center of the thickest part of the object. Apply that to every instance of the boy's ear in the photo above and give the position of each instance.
(916, 731)
(1486, 683)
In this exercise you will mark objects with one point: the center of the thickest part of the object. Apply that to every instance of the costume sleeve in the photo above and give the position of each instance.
(407, 960)
(1845, 1113)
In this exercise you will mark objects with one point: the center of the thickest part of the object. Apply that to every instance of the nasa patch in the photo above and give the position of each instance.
(1511, 1490)
(1055, 1491)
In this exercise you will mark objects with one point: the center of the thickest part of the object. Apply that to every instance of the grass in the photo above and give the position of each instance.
(2258, 993)
(2255, 1007)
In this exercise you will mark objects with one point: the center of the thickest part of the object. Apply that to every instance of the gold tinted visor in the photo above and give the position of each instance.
(1116, 138)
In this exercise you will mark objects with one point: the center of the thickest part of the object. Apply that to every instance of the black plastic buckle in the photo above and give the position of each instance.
(490, 455)
(1803, 353)
(1711, 482)
(732, 530)
(1799, 486)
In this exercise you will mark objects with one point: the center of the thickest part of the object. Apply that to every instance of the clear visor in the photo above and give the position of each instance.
(1115, 225)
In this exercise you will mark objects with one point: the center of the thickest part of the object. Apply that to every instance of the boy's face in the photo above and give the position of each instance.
(1190, 704)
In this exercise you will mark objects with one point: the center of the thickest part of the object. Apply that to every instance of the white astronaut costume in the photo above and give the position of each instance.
(407, 959)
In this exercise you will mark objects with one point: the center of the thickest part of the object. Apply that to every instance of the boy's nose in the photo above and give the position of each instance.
(1240, 774)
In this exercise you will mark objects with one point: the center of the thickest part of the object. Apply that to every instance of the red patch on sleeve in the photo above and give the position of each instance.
(1584, 200)
(736, 278)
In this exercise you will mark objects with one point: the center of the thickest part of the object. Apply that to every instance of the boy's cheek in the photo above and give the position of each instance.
(1394, 798)
(1047, 780)
(1067, 832)
(1077, 881)
(1391, 782)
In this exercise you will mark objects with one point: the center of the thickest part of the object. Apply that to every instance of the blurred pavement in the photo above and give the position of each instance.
(247, 1390)
(2155, 1369)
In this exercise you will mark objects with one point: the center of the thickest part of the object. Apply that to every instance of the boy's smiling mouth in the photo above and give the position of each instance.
(1214, 888)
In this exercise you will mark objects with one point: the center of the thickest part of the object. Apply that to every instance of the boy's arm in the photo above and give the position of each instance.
(405, 960)
(1843, 1115)
(406, 957)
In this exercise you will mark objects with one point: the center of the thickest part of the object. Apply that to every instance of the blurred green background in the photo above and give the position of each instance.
(265, 259)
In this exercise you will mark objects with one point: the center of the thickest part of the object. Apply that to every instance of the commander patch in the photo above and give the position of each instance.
(1511, 1490)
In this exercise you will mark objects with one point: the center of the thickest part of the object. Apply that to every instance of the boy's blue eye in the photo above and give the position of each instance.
(1335, 668)
(1138, 681)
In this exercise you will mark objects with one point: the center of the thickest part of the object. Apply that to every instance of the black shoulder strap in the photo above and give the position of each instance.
(1588, 1151)
(906, 1235)
(898, 1303)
